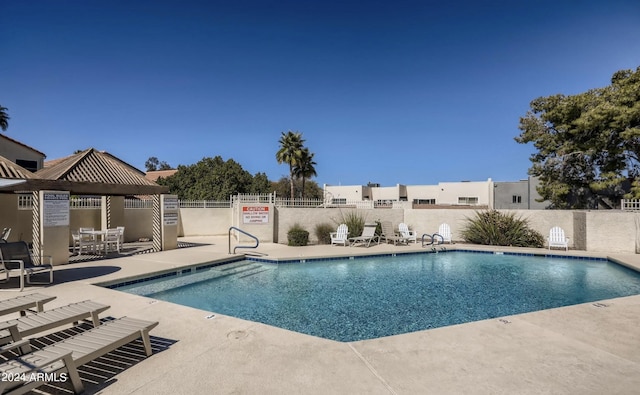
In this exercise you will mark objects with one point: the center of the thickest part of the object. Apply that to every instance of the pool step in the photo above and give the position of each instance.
(235, 265)
(239, 269)
(200, 276)
(256, 271)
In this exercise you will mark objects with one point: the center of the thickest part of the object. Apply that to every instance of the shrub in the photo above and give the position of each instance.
(297, 236)
(323, 233)
(495, 228)
(354, 221)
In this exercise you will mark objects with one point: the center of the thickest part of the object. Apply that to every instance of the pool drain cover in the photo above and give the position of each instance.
(237, 335)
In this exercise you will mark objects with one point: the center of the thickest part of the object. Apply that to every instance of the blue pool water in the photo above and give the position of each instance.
(356, 299)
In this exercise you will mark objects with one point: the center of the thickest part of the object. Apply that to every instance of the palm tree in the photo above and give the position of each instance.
(290, 152)
(4, 119)
(306, 167)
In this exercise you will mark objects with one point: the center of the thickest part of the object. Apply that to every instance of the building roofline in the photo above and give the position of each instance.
(22, 144)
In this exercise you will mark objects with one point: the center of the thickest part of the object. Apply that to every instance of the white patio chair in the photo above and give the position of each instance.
(445, 231)
(121, 240)
(111, 240)
(410, 235)
(340, 236)
(557, 238)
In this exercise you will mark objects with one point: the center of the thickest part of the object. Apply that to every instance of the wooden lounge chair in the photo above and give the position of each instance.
(391, 235)
(67, 355)
(24, 302)
(16, 256)
(410, 235)
(557, 238)
(367, 236)
(50, 319)
(340, 235)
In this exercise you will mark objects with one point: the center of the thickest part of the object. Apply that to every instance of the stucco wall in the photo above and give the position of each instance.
(612, 231)
(309, 218)
(204, 221)
(137, 222)
(597, 231)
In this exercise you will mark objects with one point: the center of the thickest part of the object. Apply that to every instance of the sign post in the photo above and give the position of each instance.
(169, 210)
(53, 226)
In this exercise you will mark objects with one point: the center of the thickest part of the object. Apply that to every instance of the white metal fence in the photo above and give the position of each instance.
(630, 204)
(204, 204)
(25, 202)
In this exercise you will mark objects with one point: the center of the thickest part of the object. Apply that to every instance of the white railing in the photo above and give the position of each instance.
(305, 203)
(204, 204)
(138, 203)
(630, 204)
(80, 202)
(254, 198)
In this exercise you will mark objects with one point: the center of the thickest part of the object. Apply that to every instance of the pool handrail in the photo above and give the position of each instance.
(433, 239)
(243, 232)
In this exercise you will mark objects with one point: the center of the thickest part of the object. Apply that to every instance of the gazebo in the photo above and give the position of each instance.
(90, 172)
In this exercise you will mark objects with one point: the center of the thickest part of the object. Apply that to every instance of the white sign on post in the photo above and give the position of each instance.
(55, 209)
(171, 203)
(171, 219)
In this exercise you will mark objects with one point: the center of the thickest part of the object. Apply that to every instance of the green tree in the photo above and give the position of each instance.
(4, 118)
(153, 164)
(260, 184)
(290, 152)
(305, 168)
(588, 145)
(212, 179)
(282, 188)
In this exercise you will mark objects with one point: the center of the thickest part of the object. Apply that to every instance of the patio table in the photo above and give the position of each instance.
(94, 237)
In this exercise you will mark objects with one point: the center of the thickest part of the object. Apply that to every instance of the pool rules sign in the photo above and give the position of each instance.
(255, 215)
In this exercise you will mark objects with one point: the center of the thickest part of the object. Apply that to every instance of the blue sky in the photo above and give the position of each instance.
(392, 92)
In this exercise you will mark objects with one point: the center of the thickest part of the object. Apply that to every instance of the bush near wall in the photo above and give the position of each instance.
(298, 236)
(501, 229)
(323, 233)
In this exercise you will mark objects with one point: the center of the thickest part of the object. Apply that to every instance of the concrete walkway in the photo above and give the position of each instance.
(592, 348)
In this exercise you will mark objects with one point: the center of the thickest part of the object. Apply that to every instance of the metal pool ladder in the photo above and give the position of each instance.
(245, 233)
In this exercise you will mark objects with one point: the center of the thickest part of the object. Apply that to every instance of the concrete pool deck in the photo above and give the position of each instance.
(591, 348)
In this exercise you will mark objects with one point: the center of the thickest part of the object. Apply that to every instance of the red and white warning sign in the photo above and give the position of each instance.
(255, 214)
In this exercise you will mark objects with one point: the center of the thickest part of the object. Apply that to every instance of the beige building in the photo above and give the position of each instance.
(464, 193)
(21, 154)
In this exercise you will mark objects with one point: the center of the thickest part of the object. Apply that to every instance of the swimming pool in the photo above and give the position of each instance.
(364, 298)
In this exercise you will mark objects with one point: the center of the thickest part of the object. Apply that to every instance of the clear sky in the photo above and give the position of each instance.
(392, 92)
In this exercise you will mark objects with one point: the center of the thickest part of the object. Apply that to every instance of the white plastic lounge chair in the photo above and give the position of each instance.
(410, 235)
(16, 256)
(24, 302)
(340, 235)
(557, 239)
(68, 354)
(390, 235)
(367, 236)
(50, 319)
(445, 231)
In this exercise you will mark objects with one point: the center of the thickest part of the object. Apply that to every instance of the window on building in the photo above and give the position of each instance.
(424, 201)
(516, 199)
(339, 201)
(25, 202)
(30, 165)
(467, 200)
